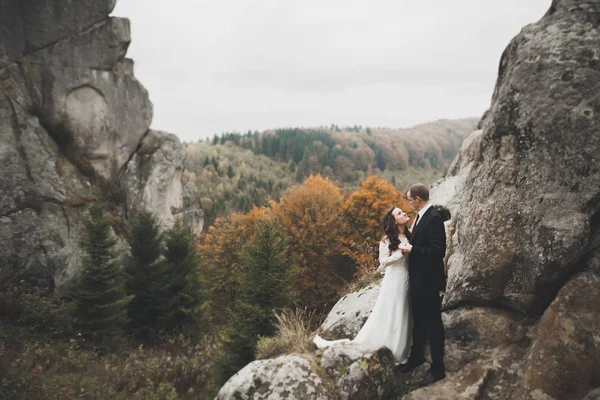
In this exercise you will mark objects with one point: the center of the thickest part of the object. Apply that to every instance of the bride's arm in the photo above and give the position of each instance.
(385, 258)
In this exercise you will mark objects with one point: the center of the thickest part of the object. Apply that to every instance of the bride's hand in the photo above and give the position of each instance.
(405, 248)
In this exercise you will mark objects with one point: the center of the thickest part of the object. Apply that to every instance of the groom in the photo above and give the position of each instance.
(426, 279)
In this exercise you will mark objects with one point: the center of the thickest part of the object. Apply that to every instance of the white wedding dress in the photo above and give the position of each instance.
(390, 322)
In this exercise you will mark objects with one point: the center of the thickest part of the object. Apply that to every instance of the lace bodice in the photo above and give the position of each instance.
(385, 258)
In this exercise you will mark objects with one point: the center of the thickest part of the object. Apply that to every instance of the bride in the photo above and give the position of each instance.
(390, 322)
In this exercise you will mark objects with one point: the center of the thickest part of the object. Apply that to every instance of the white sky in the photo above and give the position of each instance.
(234, 65)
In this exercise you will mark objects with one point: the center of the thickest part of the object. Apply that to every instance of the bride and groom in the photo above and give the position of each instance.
(408, 308)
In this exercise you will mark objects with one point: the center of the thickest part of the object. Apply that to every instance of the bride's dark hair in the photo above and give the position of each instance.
(390, 228)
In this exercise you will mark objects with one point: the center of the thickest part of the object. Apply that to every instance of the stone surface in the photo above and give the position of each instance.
(445, 192)
(100, 116)
(48, 21)
(153, 176)
(350, 313)
(473, 331)
(564, 361)
(81, 50)
(12, 44)
(360, 372)
(593, 395)
(527, 201)
(285, 377)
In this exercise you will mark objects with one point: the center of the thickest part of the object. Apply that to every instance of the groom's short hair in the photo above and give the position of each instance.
(419, 190)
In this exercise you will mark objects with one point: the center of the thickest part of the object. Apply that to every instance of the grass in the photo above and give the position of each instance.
(295, 332)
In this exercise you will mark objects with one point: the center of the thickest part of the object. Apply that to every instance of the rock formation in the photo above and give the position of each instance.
(74, 127)
(522, 302)
(528, 206)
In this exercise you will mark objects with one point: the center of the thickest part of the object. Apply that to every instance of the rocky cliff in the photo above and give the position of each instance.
(74, 128)
(522, 308)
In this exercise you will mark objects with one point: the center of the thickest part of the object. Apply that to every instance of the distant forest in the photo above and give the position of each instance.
(234, 171)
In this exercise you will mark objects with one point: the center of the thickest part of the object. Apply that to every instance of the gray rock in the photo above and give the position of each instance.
(564, 360)
(192, 213)
(71, 118)
(473, 331)
(350, 313)
(41, 198)
(48, 21)
(100, 116)
(153, 176)
(360, 372)
(593, 395)
(83, 49)
(527, 201)
(285, 377)
(444, 193)
(12, 44)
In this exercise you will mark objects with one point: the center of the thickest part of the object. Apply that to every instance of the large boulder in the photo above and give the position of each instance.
(564, 361)
(285, 377)
(473, 331)
(360, 372)
(528, 200)
(350, 313)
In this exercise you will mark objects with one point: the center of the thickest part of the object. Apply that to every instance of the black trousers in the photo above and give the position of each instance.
(427, 323)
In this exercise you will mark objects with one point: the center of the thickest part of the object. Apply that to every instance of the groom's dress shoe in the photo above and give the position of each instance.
(410, 365)
(430, 378)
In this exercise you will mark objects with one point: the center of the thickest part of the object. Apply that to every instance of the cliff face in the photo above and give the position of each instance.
(528, 216)
(73, 120)
(522, 304)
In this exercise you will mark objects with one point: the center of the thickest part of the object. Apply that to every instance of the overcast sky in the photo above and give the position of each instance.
(239, 65)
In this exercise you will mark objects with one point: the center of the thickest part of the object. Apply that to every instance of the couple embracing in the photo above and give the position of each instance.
(408, 309)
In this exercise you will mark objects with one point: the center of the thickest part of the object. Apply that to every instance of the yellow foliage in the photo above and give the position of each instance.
(310, 216)
(220, 250)
(364, 210)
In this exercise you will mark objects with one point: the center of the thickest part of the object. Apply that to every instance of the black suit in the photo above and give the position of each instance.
(426, 279)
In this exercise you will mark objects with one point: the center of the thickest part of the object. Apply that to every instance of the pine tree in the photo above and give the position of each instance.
(182, 311)
(269, 273)
(380, 160)
(266, 289)
(101, 303)
(145, 275)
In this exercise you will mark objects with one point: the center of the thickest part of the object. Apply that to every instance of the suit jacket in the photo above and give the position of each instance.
(426, 260)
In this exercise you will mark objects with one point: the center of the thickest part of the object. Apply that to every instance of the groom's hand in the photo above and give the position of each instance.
(405, 248)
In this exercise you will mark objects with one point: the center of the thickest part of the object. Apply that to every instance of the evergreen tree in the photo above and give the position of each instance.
(380, 160)
(206, 161)
(266, 289)
(100, 300)
(269, 272)
(144, 275)
(230, 172)
(182, 311)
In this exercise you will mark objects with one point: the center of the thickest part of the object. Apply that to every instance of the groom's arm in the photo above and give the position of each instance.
(436, 248)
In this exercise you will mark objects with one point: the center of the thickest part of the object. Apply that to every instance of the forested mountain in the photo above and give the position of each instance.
(234, 171)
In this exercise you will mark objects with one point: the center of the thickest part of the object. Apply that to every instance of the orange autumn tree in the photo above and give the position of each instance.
(311, 218)
(220, 252)
(364, 210)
